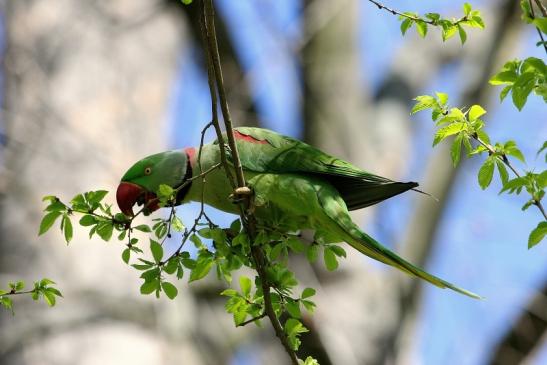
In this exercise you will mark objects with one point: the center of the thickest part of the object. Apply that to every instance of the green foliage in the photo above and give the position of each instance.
(42, 289)
(467, 127)
(521, 78)
(225, 249)
(449, 27)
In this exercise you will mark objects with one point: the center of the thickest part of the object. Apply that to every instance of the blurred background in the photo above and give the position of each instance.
(90, 86)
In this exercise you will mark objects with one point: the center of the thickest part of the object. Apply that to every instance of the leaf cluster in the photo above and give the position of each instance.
(467, 128)
(449, 27)
(521, 78)
(42, 289)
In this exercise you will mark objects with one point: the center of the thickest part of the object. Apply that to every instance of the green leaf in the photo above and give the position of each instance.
(338, 251)
(293, 307)
(308, 292)
(504, 78)
(203, 266)
(537, 234)
(423, 102)
(475, 112)
(541, 24)
(462, 33)
(67, 228)
(96, 196)
(143, 228)
(466, 9)
(245, 284)
(485, 173)
(522, 88)
(187, 2)
(405, 25)
(20, 285)
(126, 254)
(105, 229)
(157, 250)
(150, 286)
(448, 31)
(48, 221)
(177, 224)
(235, 227)
(296, 244)
(451, 129)
(505, 91)
(229, 293)
(49, 298)
(312, 253)
(88, 220)
(421, 28)
(455, 149)
(330, 259)
(443, 98)
(165, 191)
(310, 361)
(504, 176)
(169, 289)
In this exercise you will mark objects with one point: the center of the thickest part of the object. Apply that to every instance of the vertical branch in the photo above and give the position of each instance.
(214, 73)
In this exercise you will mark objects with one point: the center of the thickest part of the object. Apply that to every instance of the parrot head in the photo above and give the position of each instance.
(141, 182)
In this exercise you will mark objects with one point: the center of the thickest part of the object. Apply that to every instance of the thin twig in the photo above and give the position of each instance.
(252, 320)
(395, 12)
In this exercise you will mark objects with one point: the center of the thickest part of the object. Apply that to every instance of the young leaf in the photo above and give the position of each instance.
(202, 268)
(48, 221)
(67, 228)
(177, 224)
(475, 112)
(330, 259)
(245, 284)
(406, 24)
(157, 250)
(455, 149)
(126, 254)
(537, 235)
(421, 27)
(143, 228)
(88, 220)
(463, 35)
(308, 292)
(486, 172)
(169, 289)
(150, 286)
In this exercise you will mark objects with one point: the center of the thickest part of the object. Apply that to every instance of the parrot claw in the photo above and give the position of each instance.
(238, 195)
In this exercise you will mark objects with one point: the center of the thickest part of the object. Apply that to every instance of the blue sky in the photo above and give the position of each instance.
(481, 241)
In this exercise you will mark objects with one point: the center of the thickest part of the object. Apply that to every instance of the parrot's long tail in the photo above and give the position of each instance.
(372, 248)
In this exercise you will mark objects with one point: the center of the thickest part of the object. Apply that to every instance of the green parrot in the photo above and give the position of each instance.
(289, 179)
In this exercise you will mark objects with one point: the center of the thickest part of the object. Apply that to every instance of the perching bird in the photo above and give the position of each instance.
(289, 179)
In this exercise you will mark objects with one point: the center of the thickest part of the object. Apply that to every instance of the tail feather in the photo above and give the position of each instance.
(370, 247)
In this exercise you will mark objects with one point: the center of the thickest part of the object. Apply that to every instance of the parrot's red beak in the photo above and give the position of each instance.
(129, 194)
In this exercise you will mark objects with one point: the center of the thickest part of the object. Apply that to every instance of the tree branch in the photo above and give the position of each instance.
(214, 73)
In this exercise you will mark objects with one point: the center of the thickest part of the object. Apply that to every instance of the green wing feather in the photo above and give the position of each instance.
(271, 152)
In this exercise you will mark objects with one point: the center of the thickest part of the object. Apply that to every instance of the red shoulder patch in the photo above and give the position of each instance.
(191, 154)
(244, 137)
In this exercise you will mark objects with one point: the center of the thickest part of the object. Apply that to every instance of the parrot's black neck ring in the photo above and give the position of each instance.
(182, 192)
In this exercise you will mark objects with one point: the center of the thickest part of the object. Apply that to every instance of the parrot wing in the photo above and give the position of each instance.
(265, 151)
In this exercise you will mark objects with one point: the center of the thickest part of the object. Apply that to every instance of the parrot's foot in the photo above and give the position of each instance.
(242, 193)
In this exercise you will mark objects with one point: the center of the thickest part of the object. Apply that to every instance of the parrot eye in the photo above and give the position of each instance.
(148, 171)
